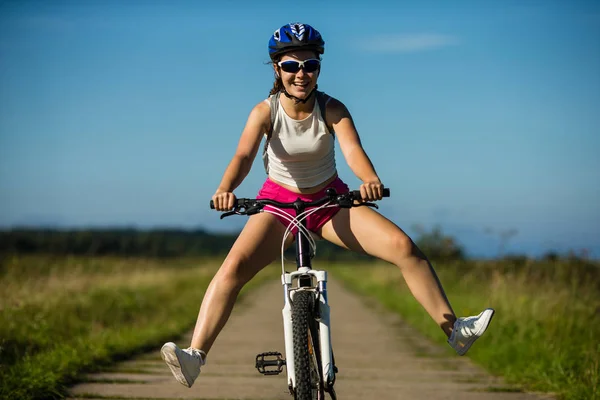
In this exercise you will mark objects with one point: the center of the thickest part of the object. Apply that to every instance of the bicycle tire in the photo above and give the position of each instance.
(309, 383)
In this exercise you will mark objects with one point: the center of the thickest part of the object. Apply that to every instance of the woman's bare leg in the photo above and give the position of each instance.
(258, 245)
(365, 230)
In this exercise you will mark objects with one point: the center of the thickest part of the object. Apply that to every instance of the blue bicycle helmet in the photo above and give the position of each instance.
(295, 36)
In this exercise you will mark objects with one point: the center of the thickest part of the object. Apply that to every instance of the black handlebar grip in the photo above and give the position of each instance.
(238, 203)
(356, 193)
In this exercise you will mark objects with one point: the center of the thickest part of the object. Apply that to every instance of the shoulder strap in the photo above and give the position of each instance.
(323, 98)
(274, 104)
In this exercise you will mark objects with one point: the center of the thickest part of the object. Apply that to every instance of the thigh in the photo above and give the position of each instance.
(258, 245)
(363, 229)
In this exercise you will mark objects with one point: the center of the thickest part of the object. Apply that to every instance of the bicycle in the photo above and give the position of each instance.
(309, 362)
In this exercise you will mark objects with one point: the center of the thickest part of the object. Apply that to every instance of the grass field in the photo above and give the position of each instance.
(546, 332)
(61, 317)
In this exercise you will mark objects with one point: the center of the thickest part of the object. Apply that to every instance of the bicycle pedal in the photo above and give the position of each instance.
(269, 360)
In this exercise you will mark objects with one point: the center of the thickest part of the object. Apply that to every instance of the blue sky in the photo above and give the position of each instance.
(478, 115)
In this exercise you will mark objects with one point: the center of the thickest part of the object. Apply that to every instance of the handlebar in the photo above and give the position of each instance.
(244, 206)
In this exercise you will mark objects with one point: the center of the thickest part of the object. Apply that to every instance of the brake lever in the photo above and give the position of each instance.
(243, 209)
(229, 213)
(345, 202)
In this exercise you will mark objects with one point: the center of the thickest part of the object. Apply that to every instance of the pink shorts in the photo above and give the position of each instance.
(314, 221)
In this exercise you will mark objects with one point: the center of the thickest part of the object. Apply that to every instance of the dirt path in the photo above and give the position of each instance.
(378, 357)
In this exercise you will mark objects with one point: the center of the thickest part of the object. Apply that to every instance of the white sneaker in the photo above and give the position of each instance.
(184, 364)
(467, 330)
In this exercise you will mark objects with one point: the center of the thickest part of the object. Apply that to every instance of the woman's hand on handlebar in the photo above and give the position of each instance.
(371, 191)
(223, 201)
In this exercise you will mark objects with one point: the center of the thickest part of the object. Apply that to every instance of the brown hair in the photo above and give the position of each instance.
(278, 84)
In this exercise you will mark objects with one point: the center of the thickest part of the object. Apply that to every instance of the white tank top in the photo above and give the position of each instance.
(301, 152)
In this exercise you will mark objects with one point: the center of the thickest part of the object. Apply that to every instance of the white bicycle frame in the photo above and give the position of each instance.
(290, 286)
(323, 320)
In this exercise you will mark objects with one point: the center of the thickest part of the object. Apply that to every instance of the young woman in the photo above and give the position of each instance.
(300, 163)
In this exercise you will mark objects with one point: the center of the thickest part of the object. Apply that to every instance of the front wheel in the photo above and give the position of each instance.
(309, 385)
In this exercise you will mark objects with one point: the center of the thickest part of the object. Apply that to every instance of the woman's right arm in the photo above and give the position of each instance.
(258, 123)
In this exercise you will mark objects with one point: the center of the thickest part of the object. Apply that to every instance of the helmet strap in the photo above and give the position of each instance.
(298, 100)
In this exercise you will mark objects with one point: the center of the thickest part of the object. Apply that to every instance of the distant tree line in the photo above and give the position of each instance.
(164, 243)
(160, 243)
(124, 242)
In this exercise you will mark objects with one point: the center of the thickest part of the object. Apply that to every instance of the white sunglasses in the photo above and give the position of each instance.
(310, 65)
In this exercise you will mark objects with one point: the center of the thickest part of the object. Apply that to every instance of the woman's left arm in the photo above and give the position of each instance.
(340, 119)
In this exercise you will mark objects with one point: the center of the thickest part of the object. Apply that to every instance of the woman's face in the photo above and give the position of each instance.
(301, 82)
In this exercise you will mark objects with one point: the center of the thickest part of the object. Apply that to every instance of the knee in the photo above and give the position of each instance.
(231, 272)
(403, 246)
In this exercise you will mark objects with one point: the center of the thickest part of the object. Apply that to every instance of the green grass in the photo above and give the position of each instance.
(63, 317)
(545, 335)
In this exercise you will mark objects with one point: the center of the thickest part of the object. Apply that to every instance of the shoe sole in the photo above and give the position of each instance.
(487, 318)
(169, 355)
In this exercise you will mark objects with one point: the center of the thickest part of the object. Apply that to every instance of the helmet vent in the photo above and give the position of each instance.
(298, 30)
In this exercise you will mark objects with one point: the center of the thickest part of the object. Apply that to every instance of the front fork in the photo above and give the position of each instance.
(288, 280)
